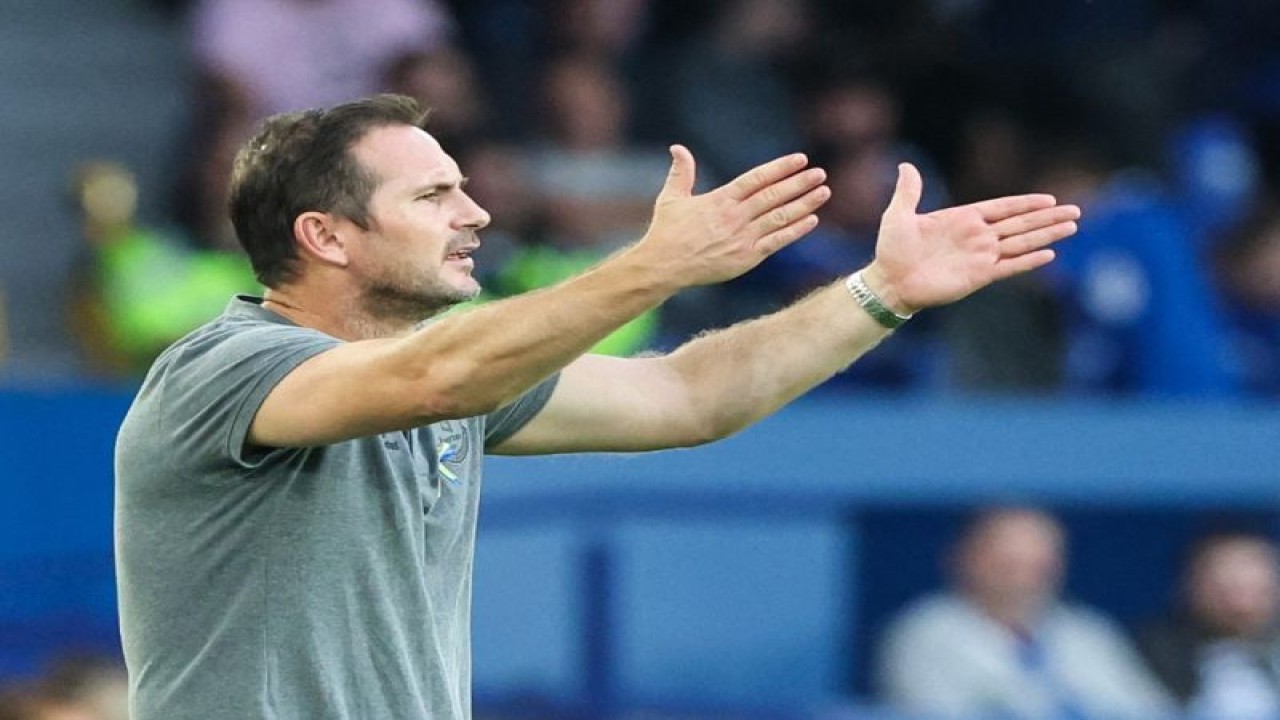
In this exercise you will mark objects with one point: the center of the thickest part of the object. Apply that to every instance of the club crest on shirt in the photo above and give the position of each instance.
(453, 445)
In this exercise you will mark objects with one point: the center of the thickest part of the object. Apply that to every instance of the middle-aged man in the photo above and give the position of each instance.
(297, 481)
(1004, 643)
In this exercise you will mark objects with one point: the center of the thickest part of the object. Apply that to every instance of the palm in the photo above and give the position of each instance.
(940, 257)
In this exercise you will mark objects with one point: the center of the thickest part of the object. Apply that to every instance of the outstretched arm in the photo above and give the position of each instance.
(721, 382)
(473, 362)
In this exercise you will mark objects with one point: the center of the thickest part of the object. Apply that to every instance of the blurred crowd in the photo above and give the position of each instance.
(1160, 117)
(1003, 641)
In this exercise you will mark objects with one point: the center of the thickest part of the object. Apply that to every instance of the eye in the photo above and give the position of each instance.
(433, 196)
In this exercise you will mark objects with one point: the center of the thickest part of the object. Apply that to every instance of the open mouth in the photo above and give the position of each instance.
(459, 255)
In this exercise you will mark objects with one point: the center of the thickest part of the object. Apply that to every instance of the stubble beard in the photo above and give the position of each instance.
(405, 302)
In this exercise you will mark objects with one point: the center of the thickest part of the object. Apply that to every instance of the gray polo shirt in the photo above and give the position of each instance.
(315, 583)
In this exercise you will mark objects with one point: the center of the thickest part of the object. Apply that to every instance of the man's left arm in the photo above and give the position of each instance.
(721, 382)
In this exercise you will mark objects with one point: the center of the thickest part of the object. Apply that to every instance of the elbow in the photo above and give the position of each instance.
(692, 440)
(444, 404)
(708, 428)
(699, 418)
(450, 391)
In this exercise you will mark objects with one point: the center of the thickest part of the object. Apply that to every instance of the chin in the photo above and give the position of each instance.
(466, 292)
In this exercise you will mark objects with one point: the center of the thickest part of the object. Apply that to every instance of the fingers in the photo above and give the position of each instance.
(1006, 207)
(906, 196)
(773, 197)
(1033, 240)
(1008, 267)
(784, 215)
(762, 176)
(778, 239)
(683, 174)
(1036, 219)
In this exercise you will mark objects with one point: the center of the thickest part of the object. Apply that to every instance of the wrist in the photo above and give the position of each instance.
(886, 291)
(885, 315)
(646, 271)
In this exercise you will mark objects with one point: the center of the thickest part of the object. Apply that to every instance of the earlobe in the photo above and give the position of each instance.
(318, 236)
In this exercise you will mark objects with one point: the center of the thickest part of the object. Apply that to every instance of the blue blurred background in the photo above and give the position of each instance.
(1130, 388)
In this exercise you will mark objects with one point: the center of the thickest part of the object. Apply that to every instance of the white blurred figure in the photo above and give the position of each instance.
(1003, 643)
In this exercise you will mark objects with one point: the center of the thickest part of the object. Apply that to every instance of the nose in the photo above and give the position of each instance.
(474, 216)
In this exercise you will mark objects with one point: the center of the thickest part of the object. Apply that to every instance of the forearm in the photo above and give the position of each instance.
(479, 359)
(743, 373)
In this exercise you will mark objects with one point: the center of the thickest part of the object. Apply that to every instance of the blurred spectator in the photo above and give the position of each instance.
(17, 704)
(255, 58)
(728, 96)
(861, 182)
(295, 54)
(1216, 173)
(596, 188)
(1121, 59)
(93, 685)
(996, 153)
(604, 29)
(445, 82)
(505, 39)
(855, 114)
(1003, 644)
(1143, 317)
(852, 127)
(1219, 653)
(1008, 338)
(1235, 67)
(511, 41)
(596, 185)
(138, 289)
(616, 32)
(1249, 271)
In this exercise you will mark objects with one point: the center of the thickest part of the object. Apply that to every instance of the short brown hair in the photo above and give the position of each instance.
(300, 162)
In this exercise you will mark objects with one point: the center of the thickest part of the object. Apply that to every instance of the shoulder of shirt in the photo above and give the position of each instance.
(938, 607)
(232, 326)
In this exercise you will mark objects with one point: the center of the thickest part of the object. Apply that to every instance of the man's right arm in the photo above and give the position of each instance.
(471, 363)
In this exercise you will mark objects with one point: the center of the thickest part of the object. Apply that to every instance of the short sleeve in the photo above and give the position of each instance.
(506, 421)
(212, 387)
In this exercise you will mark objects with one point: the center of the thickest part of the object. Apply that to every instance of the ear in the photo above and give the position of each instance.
(318, 235)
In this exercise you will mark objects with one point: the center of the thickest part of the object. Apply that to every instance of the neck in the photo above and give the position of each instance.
(343, 317)
(1017, 616)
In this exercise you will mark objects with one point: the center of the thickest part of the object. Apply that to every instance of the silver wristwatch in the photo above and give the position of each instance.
(872, 303)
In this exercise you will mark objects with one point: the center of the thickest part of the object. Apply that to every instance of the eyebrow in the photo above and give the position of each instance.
(441, 186)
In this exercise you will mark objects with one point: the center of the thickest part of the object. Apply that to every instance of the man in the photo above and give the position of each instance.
(1005, 645)
(298, 480)
(1219, 654)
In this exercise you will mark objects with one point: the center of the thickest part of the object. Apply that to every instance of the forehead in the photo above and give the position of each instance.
(402, 155)
(1018, 530)
(1239, 553)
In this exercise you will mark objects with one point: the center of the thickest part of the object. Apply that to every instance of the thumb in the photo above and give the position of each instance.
(906, 196)
(681, 178)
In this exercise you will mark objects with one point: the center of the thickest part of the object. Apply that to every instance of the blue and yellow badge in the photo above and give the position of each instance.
(453, 445)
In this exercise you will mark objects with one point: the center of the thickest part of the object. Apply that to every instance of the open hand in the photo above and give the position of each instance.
(723, 233)
(940, 257)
